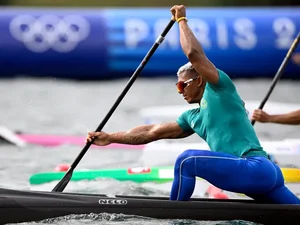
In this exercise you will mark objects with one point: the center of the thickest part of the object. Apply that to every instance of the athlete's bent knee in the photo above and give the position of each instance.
(185, 155)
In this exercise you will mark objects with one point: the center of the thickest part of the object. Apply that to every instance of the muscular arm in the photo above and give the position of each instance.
(194, 52)
(292, 118)
(148, 133)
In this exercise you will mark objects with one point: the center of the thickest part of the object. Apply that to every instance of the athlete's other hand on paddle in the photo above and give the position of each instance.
(100, 138)
(178, 11)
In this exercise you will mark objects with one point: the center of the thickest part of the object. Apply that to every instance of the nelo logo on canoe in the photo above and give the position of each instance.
(112, 201)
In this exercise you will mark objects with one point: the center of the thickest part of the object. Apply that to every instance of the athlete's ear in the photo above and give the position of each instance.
(199, 81)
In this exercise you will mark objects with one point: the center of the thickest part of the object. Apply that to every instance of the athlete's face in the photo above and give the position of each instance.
(189, 84)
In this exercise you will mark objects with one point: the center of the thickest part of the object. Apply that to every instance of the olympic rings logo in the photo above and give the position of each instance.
(61, 34)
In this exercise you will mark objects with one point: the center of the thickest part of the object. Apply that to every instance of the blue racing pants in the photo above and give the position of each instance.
(255, 176)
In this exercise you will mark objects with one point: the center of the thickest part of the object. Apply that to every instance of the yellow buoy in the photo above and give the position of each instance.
(291, 175)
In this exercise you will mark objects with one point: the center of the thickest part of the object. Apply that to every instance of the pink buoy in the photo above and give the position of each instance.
(62, 168)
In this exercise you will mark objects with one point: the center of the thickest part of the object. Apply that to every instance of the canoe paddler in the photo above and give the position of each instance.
(237, 162)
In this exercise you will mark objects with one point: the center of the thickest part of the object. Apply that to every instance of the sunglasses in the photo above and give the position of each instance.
(181, 85)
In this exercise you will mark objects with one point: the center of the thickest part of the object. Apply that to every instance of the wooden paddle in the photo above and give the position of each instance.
(279, 72)
(67, 177)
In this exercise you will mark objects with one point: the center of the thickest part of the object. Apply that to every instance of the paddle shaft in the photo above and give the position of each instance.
(279, 72)
(67, 177)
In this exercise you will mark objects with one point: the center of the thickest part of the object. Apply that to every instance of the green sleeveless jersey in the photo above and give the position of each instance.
(222, 120)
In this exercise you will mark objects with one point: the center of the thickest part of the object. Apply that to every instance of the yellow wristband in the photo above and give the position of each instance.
(181, 18)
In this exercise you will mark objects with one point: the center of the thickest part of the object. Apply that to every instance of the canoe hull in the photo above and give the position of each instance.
(24, 206)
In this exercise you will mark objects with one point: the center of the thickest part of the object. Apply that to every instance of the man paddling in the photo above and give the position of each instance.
(291, 118)
(236, 162)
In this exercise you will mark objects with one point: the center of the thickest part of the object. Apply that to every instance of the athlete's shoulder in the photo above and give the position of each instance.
(190, 112)
(222, 73)
(184, 120)
(224, 83)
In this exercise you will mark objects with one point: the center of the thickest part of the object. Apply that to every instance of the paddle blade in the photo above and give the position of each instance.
(63, 182)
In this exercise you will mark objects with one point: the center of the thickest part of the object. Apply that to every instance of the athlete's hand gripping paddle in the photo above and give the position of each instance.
(279, 72)
(67, 177)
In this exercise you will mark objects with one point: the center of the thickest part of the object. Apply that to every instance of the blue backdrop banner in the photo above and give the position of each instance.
(53, 42)
(111, 42)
